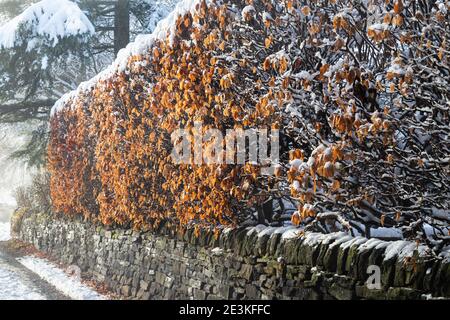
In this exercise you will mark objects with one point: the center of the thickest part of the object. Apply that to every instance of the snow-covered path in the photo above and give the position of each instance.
(32, 278)
(18, 283)
(70, 286)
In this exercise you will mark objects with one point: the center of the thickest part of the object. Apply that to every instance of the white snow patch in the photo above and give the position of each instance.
(227, 229)
(267, 232)
(44, 62)
(217, 251)
(394, 249)
(442, 7)
(396, 69)
(407, 251)
(379, 27)
(5, 231)
(266, 16)
(304, 75)
(440, 213)
(371, 243)
(382, 244)
(330, 237)
(70, 286)
(256, 229)
(354, 241)
(281, 230)
(384, 232)
(12, 287)
(247, 10)
(296, 163)
(51, 19)
(287, 232)
(341, 240)
(312, 239)
(291, 233)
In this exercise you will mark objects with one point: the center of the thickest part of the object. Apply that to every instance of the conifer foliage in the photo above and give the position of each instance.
(358, 89)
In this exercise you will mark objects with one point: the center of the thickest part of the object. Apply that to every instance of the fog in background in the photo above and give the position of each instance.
(13, 173)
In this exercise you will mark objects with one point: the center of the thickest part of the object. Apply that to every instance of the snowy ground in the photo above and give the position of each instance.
(69, 285)
(15, 285)
(4, 231)
(32, 278)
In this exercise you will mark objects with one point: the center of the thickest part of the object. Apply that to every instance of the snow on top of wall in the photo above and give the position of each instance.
(292, 233)
(398, 250)
(358, 240)
(49, 18)
(165, 28)
(370, 244)
(394, 248)
(383, 232)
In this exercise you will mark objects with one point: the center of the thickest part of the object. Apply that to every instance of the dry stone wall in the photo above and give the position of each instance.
(236, 265)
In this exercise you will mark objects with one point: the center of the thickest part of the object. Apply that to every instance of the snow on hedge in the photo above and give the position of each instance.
(165, 28)
(51, 19)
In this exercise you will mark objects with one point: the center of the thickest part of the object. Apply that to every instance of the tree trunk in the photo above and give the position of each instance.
(121, 25)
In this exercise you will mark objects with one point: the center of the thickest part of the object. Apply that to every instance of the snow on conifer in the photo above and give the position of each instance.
(49, 19)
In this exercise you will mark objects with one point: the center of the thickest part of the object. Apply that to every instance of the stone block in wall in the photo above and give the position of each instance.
(307, 254)
(195, 284)
(445, 278)
(290, 250)
(125, 291)
(362, 263)
(342, 255)
(315, 280)
(160, 278)
(429, 276)
(442, 278)
(403, 273)
(377, 254)
(330, 258)
(388, 271)
(272, 244)
(340, 293)
(260, 245)
(163, 267)
(225, 291)
(351, 262)
(363, 292)
(344, 281)
(203, 238)
(252, 292)
(144, 285)
(297, 272)
(239, 238)
(199, 294)
(246, 272)
(403, 294)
